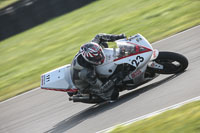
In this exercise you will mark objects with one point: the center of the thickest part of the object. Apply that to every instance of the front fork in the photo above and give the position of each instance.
(153, 63)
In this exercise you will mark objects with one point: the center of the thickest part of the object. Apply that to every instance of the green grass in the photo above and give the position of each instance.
(24, 57)
(185, 119)
(4, 3)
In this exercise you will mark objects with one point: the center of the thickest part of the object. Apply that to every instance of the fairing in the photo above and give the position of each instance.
(135, 50)
(58, 79)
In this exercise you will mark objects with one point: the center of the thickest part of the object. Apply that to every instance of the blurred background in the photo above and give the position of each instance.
(19, 15)
(39, 35)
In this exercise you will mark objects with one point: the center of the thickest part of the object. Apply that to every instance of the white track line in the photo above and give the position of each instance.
(150, 114)
(187, 30)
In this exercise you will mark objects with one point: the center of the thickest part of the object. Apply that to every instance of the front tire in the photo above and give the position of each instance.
(173, 63)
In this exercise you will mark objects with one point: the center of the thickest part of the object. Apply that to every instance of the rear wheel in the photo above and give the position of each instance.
(172, 63)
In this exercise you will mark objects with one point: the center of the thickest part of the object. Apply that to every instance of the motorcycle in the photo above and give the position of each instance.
(134, 56)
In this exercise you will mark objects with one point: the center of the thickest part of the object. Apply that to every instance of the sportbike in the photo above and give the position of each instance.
(134, 56)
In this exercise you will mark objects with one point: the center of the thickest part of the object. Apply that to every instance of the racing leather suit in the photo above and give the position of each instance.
(84, 75)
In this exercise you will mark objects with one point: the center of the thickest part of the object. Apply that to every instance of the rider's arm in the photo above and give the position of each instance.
(102, 38)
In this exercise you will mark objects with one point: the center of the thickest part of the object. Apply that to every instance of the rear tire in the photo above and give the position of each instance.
(172, 62)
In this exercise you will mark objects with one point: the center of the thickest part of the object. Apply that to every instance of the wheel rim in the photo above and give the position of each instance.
(170, 66)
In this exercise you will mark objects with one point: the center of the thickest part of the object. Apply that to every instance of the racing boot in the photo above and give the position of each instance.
(106, 90)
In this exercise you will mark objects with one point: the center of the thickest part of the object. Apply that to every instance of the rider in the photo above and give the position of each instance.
(83, 66)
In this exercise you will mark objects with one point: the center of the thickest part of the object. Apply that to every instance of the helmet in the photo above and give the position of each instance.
(93, 53)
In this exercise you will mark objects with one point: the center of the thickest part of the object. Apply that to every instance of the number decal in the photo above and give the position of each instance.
(47, 78)
(141, 59)
(138, 60)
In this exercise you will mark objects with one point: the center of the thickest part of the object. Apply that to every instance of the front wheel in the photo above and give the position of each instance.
(172, 63)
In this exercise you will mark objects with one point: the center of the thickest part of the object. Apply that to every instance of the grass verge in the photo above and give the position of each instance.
(185, 119)
(4, 3)
(24, 57)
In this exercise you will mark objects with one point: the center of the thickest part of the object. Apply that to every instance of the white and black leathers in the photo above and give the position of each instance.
(83, 73)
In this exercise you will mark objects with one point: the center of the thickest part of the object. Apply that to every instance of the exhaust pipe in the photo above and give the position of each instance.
(85, 99)
(79, 98)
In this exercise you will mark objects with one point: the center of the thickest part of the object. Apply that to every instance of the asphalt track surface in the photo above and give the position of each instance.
(42, 111)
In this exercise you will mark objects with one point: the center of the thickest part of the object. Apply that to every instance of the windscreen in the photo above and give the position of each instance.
(129, 49)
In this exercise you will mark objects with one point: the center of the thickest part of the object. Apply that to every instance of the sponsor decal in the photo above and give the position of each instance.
(135, 74)
(152, 64)
(154, 54)
(138, 39)
(42, 83)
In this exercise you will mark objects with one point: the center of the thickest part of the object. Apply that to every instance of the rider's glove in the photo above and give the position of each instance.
(121, 36)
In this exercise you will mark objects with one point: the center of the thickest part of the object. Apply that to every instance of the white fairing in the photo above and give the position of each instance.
(59, 78)
(114, 56)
